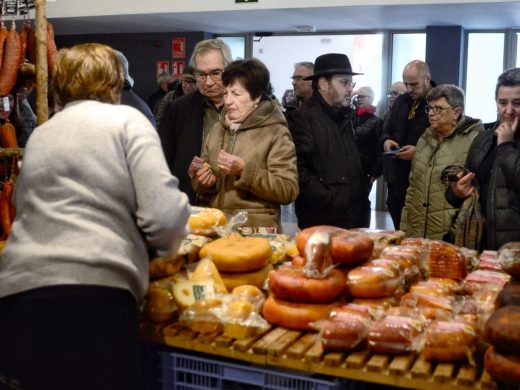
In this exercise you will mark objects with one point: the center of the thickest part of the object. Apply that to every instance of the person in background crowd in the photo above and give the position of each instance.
(401, 131)
(446, 142)
(251, 156)
(385, 104)
(75, 266)
(367, 130)
(333, 190)
(165, 83)
(128, 96)
(187, 85)
(289, 100)
(188, 119)
(302, 88)
(493, 161)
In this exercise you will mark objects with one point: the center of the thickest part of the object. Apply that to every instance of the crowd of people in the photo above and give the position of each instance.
(104, 186)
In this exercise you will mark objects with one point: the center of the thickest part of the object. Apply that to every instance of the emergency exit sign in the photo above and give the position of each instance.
(246, 1)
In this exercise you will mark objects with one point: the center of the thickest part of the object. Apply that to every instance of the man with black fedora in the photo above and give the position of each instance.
(333, 190)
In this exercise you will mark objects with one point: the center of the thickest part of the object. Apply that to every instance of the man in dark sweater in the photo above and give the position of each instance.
(189, 118)
(402, 129)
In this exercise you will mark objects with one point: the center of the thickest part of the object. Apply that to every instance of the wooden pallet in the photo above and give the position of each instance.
(302, 351)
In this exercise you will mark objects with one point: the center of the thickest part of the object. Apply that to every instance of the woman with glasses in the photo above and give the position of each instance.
(249, 159)
(494, 161)
(445, 142)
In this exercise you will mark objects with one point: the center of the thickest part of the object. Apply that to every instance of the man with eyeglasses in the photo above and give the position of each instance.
(333, 190)
(302, 88)
(189, 118)
(385, 104)
(402, 128)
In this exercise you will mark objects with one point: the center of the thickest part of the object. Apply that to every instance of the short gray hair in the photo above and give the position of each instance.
(453, 94)
(211, 44)
(510, 78)
(307, 65)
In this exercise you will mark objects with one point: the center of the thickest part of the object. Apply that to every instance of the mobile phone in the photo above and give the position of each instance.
(393, 150)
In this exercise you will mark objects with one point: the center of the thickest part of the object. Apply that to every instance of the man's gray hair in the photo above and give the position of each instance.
(211, 44)
(307, 65)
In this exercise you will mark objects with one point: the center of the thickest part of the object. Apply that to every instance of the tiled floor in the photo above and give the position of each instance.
(378, 220)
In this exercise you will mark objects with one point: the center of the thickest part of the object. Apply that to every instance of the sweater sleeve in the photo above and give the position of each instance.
(161, 209)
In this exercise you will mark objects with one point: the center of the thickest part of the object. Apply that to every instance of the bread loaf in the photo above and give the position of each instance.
(449, 342)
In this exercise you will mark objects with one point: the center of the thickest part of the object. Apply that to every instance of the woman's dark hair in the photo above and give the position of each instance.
(510, 78)
(252, 74)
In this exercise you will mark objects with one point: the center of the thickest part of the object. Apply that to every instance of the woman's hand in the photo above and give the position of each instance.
(230, 164)
(195, 166)
(406, 153)
(506, 131)
(205, 176)
(463, 187)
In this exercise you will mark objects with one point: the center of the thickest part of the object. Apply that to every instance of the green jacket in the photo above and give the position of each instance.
(270, 177)
(426, 212)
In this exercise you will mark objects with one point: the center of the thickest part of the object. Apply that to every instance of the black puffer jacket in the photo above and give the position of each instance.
(367, 130)
(502, 197)
(332, 187)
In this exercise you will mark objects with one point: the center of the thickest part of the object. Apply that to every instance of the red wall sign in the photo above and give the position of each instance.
(177, 68)
(162, 67)
(178, 47)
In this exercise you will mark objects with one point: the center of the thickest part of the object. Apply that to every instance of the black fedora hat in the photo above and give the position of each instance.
(331, 63)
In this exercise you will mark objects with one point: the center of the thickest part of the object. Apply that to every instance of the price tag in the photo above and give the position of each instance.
(10, 7)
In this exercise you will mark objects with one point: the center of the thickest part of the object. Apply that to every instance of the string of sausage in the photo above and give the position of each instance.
(11, 61)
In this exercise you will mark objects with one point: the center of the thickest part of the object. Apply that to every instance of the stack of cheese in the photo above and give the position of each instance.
(240, 260)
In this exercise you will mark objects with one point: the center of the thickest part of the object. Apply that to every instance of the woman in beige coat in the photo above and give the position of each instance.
(248, 160)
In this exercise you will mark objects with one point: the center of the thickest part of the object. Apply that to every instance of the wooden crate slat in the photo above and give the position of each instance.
(443, 372)
(378, 363)
(245, 344)
(467, 375)
(357, 359)
(261, 345)
(278, 347)
(401, 364)
(299, 348)
(334, 359)
(314, 353)
(421, 369)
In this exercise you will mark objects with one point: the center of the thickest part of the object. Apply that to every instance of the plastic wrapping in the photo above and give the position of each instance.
(202, 316)
(206, 271)
(344, 332)
(241, 320)
(447, 261)
(449, 342)
(317, 252)
(396, 335)
(204, 221)
(374, 281)
(484, 279)
(382, 239)
(160, 304)
(436, 286)
(509, 258)
(233, 224)
(161, 267)
(249, 293)
(408, 256)
(379, 304)
(488, 260)
(366, 311)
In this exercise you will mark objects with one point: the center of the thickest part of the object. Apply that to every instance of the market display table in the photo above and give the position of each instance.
(302, 351)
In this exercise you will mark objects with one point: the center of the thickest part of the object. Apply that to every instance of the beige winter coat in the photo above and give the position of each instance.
(270, 177)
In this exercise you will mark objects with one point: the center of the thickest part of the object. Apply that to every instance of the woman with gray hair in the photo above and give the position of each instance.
(445, 142)
(493, 161)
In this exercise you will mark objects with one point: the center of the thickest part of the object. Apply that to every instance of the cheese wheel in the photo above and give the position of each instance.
(504, 368)
(202, 220)
(238, 254)
(255, 278)
(503, 330)
(292, 285)
(295, 315)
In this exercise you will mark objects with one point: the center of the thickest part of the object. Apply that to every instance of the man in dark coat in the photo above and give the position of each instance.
(402, 129)
(189, 118)
(333, 190)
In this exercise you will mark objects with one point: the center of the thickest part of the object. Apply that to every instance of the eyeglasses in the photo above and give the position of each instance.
(393, 94)
(436, 109)
(298, 78)
(216, 75)
(346, 82)
(363, 97)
